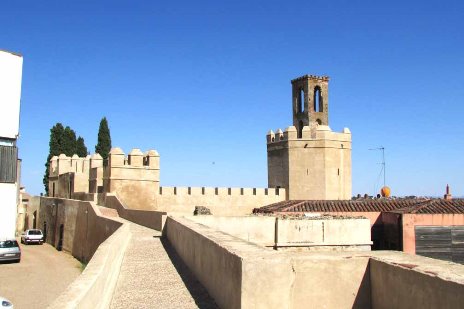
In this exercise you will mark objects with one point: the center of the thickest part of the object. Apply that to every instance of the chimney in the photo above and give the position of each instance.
(448, 195)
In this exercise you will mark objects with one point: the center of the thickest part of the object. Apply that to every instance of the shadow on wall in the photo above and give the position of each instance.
(196, 289)
(363, 296)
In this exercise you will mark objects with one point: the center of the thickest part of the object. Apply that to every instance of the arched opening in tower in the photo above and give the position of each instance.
(301, 101)
(318, 107)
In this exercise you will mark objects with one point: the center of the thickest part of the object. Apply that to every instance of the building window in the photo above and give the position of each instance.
(8, 163)
(300, 129)
(318, 100)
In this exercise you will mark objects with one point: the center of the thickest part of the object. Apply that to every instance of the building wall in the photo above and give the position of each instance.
(412, 220)
(10, 96)
(84, 229)
(314, 167)
(10, 93)
(8, 198)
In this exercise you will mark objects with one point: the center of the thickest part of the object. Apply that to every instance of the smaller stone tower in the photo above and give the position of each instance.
(310, 97)
(307, 159)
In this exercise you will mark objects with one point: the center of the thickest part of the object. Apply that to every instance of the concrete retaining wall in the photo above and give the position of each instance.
(327, 232)
(149, 218)
(239, 274)
(256, 229)
(95, 286)
(81, 224)
(401, 286)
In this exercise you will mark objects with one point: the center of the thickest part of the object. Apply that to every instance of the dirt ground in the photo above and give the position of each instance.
(39, 278)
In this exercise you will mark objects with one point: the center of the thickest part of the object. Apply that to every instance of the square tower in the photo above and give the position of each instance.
(309, 160)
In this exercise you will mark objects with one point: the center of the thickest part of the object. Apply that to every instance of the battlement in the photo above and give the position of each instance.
(221, 191)
(63, 164)
(135, 158)
(314, 77)
(313, 133)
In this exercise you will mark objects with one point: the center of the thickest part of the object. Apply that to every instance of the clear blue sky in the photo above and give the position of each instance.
(203, 81)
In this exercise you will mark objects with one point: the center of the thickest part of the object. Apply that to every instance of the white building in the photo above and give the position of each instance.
(10, 95)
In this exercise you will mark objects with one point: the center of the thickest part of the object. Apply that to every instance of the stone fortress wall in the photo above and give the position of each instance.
(306, 162)
(135, 179)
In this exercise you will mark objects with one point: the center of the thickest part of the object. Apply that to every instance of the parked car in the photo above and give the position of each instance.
(9, 250)
(5, 303)
(32, 236)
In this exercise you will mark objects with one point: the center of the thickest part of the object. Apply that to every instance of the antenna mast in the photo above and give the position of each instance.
(383, 162)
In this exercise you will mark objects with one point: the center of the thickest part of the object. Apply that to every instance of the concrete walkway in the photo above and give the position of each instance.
(153, 276)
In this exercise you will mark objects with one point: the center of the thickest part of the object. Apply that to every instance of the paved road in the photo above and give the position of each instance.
(41, 276)
(153, 276)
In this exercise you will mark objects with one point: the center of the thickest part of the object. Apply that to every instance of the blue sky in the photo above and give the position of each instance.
(203, 81)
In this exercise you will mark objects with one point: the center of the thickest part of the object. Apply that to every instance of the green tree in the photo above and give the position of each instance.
(62, 140)
(103, 146)
(81, 149)
(55, 144)
(69, 142)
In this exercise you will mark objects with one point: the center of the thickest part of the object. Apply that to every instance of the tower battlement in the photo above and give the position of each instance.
(310, 76)
(308, 134)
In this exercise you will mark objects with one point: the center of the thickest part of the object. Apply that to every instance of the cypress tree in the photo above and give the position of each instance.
(81, 149)
(103, 146)
(69, 142)
(55, 144)
(62, 140)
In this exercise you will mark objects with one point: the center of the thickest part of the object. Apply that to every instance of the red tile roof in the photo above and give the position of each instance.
(419, 206)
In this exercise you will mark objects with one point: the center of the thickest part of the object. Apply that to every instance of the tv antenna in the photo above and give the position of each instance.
(381, 148)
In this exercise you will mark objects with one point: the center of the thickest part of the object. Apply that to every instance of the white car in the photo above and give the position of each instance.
(10, 251)
(5, 303)
(32, 236)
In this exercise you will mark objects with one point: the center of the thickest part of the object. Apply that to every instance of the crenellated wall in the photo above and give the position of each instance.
(221, 201)
(68, 175)
(135, 180)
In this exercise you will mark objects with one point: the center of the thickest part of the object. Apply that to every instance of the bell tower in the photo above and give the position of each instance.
(310, 98)
(308, 159)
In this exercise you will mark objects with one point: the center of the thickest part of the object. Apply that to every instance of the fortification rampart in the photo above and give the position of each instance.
(221, 201)
(135, 179)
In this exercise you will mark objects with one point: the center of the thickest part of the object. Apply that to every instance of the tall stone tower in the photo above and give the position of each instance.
(309, 160)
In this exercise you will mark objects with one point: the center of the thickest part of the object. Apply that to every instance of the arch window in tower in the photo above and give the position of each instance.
(301, 100)
(318, 107)
(300, 129)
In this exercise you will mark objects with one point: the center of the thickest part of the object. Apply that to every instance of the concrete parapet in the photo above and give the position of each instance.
(238, 274)
(94, 288)
(319, 233)
(148, 218)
